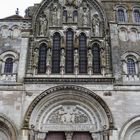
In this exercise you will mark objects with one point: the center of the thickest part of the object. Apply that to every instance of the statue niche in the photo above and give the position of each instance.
(43, 25)
(95, 25)
(85, 14)
(55, 14)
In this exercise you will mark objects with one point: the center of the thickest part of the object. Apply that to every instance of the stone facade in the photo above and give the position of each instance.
(70, 69)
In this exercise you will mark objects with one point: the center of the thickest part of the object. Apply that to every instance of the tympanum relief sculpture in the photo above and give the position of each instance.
(68, 114)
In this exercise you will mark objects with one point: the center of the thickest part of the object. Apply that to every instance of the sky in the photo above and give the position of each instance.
(8, 7)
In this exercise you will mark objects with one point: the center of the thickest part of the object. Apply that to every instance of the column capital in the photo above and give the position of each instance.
(41, 135)
(69, 135)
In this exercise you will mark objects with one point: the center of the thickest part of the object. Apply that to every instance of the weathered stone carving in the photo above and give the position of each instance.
(49, 55)
(90, 58)
(70, 14)
(62, 58)
(43, 24)
(49, 59)
(85, 19)
(103, 58)
(35, 58)
(68, 115)
(76, 58)
(54, 14)
(96, 25)
(85, 16)
(76, 61)
(62, 62)
(71, 2)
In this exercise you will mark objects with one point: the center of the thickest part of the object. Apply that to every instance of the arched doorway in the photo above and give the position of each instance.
(68, 113)
(7, 129)
(131, 130)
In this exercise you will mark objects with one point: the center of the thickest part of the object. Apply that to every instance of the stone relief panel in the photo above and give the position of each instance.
(81, 12)
(68, 114)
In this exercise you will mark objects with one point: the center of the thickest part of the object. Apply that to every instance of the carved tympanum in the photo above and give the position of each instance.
(68, 114)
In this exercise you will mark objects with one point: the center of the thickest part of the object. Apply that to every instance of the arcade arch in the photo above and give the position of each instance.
(69, 111)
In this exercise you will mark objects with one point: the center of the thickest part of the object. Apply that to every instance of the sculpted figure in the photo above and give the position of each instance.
(95, 25)
(103, 60)
(70, 14)
(49, 57)
(85, 17)
(54, 14)
(35, 58)
(43, 23)
(76, 58)
(62, 58)
(70, 2)
(90, 58)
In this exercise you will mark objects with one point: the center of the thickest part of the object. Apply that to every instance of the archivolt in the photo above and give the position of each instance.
(8, 127)
(66, 88)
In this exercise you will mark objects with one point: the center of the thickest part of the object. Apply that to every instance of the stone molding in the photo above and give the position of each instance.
(40, 80)
(65, 88)
(8, 126)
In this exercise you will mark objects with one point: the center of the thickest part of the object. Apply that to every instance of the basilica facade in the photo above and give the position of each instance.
(70, 70)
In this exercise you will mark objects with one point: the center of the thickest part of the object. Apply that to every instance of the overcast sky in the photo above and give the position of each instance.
(8, 7)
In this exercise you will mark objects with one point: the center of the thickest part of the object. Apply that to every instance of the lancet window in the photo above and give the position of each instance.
(69, 52)
(42, 58)
(96, 58)
(56, 53)
(82, 53)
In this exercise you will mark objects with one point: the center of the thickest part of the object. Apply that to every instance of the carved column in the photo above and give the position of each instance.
(24, 134)
(76, 62)
(114, 135)
(41, 136)
(105, 135)
(68, 135)
(48, 62)
(90, 61)
(95, 136)
(35, 60)
(108, 54)
(103, 62)
(62, 62)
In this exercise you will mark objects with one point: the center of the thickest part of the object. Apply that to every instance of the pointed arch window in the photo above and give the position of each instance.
(82, 53)
(69, 51)
(56, 53)
(136, 15)
(131, 66)
(8, 68)
(96, 58)
(121, 15)
(42, 58)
